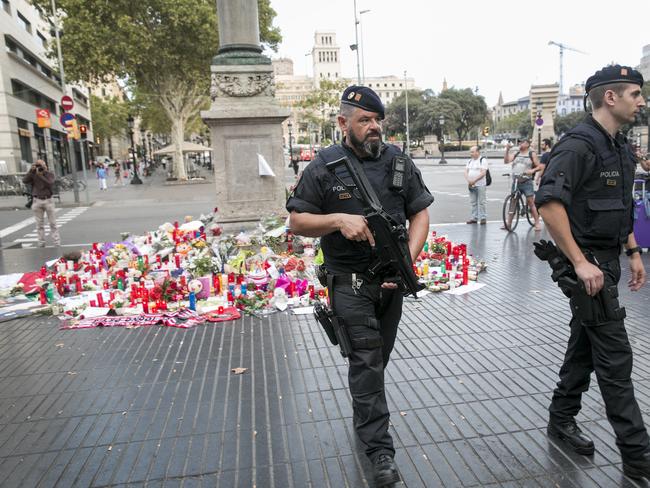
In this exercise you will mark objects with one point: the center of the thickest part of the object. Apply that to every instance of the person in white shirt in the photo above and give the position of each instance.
(475, 172)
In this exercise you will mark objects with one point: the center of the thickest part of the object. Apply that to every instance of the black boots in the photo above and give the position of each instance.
(571, 434)
(385, 471)
(637, 467)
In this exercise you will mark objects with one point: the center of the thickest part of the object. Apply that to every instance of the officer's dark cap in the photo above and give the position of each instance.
(364, 98)
(613, 74)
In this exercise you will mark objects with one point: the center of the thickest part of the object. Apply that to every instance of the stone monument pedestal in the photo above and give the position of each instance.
(245, 120)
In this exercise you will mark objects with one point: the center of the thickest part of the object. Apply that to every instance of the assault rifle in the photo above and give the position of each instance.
(393, 259)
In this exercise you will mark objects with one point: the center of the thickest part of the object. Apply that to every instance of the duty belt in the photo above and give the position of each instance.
(602, 255)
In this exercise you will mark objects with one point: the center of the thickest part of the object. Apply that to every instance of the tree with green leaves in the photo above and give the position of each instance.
(164, 47)
(518, 123)
(428, 119)
(395, 120)
(320, 103)
(473, 111)
(109, 119)
(564, 123)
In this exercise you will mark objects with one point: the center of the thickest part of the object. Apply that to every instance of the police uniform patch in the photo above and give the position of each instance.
(357, 97)
(344, 196)
(351, 95)
(623, 71)
(611, 182)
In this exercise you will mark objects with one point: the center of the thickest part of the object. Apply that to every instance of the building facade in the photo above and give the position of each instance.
(29, 81)
(292, 89)
(644, 66)
(326, 57)
(571, 102)
(503, 109)
(116, 147)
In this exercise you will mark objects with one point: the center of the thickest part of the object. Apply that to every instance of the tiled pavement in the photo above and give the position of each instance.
(468, 386)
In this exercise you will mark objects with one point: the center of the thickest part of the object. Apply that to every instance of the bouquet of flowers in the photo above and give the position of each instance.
(202, 263)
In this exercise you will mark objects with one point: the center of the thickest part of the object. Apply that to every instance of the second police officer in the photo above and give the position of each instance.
(585, 198)
(370, 309)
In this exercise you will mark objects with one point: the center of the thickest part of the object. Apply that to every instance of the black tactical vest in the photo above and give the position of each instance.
(601, 208)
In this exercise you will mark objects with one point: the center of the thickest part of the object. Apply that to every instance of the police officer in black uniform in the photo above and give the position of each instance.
(370, 309)
(585, 198)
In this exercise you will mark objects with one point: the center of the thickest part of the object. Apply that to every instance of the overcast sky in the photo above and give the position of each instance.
(493, 45)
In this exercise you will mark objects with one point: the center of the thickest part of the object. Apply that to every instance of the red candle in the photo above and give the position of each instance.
(93, 303)
(231, 278)
(42, 296)
(312, 294)
(78, 287)
(177, 260)
(158, 260)
(183, 281)
(216, 284)
(220, 310)
(100, 299)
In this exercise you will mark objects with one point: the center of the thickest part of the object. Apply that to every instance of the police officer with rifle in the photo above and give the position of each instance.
(358, 196)
(585, 198)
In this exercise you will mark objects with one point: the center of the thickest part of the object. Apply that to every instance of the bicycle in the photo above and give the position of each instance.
(65, 183)
(515, 205)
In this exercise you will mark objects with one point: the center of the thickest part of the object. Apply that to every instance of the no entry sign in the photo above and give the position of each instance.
(66, 103)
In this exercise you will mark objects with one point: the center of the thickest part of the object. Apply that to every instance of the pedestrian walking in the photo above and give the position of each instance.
(101, 176)
(118, 174)
(586, 200)
(42, 187)
(525, 164)
(368, 308)
(475, 174)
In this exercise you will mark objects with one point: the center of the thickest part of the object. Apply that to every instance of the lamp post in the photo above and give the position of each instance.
(648, 117)
(292, 160)
(143, 142)
(441, 142)
(540, 105)
(333, 126)
(362, 48)
(150, 148)
(356, 41)
(406, 92)
(136, 179)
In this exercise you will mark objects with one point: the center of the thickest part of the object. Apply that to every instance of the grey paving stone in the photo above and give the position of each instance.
(468, 386)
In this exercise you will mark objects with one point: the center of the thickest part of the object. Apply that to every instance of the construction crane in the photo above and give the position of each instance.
(562, 48)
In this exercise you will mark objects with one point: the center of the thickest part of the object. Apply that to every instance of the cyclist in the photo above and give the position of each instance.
(525, 164)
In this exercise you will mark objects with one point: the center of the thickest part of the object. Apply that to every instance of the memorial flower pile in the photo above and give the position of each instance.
(185, 274)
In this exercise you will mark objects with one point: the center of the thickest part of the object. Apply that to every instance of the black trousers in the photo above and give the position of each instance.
(604, 348)
(366, 366)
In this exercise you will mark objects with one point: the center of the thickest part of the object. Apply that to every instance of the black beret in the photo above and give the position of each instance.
(364, 98)
(614, 74)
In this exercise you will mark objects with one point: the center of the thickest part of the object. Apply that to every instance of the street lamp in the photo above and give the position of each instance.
(406, 93)
(292, 160)
(150, 147)
(362, 48)
(333, 126)
(540, 105)
(136, 179)
(648, 117)
(143, 137)
(441, 142)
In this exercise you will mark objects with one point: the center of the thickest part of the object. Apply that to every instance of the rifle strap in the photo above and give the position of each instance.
(362, 175)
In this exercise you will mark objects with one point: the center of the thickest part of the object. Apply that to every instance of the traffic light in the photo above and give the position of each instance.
(486, 131)
(73, 130)
(83, 131)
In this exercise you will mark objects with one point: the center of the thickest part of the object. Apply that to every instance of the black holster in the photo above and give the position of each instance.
(334, 327)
